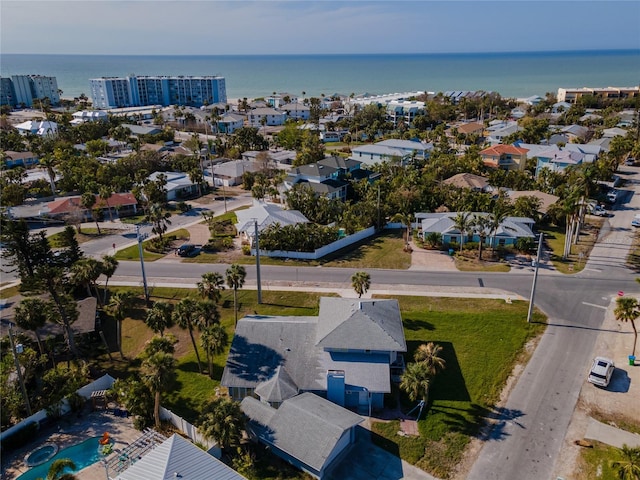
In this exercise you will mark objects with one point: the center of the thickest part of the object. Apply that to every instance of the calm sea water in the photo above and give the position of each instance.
(510, 74)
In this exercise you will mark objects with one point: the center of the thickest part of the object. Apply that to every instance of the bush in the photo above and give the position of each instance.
(525, 245)
(184, 207)
(218, 244)
(246, 249)
(21, 437)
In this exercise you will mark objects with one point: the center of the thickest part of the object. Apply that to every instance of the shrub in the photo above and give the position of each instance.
(246, 249)
(184, 207)
(433, 239)
(525, 245)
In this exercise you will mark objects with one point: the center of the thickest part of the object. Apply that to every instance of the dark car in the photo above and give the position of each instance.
(187, 250)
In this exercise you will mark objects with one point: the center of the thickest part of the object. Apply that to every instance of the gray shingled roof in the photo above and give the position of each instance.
(278, 388)
(307, 427)
(360, 324)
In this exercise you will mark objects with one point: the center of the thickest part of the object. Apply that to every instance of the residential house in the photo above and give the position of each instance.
(571, 95)
(387, 150)
(230, 122)
(138, 130)
(176, 458)
(297, 111)
(404, 111)
(265, 214)
(470, 182)
(89, 116)
(557, 158)
(345, 353)
(266, 116)
(546, 199)
(230, 173)
(326, 177)
(277, 158)
(276, 100)
(471, 128)
(614, 132)
(498, 130)
(311, 433)
(507, 233)
(122, 204)
(178, 185)
(505, 157)
(575, 133)
(20, 159)
(42, 128)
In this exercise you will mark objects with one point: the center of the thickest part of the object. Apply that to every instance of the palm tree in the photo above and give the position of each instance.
(222, 420)
(463, 221)
(214, 340)
(105, 195)
(361, 281)
(235, 276)
(32, 315)
(629, 467)
(211, 286)
(159, 219)
(48, 162)
(429, 355)
(404, 219)
(85, 272)
(185, 315)
(160, 344)
(159, 317)
(416, 381)
(109, 267)
(119, 305)
(481, 225)
(628, 310)
(57, 470)
(157, 371)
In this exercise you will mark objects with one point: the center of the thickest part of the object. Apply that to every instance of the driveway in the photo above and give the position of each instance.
(366, 461)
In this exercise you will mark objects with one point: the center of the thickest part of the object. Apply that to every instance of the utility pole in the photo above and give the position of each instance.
(535, 279)
(15, 349)
(141, 237)
(257, 237)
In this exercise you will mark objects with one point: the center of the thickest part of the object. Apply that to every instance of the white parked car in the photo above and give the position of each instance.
(636, 220)
(601, 371)
(598, 211)
(612, 195)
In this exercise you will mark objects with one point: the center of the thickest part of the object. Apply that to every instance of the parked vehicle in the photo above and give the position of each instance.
(630, 162)
(636, 220)
(598, 211)
(187, 250)
(601, 371)
(612, 195)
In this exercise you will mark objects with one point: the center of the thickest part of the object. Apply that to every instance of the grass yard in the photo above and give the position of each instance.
(133, 252)
(633, 259)
(192, 388)
(596, 462)
(554, 237)
(482, 341)
(87, 235)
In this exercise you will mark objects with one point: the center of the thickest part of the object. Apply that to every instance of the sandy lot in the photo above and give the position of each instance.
(620, 402)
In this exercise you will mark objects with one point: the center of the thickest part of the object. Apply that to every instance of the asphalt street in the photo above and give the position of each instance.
(530, 428)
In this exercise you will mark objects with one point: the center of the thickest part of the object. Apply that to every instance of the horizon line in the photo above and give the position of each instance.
(510, 52)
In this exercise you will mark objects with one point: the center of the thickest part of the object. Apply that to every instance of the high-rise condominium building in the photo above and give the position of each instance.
(133, 91)
(24, 89)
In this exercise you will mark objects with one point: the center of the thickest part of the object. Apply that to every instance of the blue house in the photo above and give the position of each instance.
(507, 233)
(308, 431)
(344, 354)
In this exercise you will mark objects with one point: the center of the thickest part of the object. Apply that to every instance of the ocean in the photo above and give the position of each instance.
(513, 75)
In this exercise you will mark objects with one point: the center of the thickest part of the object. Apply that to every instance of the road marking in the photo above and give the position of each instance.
(592, 269)
(594, 305)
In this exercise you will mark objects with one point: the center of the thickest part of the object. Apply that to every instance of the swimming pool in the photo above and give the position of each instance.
(83, 454)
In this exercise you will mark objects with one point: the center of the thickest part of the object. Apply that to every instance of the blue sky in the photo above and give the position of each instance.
(187, 27)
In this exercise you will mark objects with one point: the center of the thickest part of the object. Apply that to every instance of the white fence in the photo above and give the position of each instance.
(322, 251)
(190, 430)
(103, 383)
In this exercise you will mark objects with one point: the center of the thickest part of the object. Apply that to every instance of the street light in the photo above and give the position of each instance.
(141, 237)
(535, 279)
(257, 237)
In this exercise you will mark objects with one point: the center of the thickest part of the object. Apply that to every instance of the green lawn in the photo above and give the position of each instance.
(554, 237)
(133, 252)
(596, 462)
(482, 341)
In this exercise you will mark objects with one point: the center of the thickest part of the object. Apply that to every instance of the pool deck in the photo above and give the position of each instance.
(71, 430)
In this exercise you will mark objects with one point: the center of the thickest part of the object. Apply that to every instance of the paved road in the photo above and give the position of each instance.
(529, 432)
